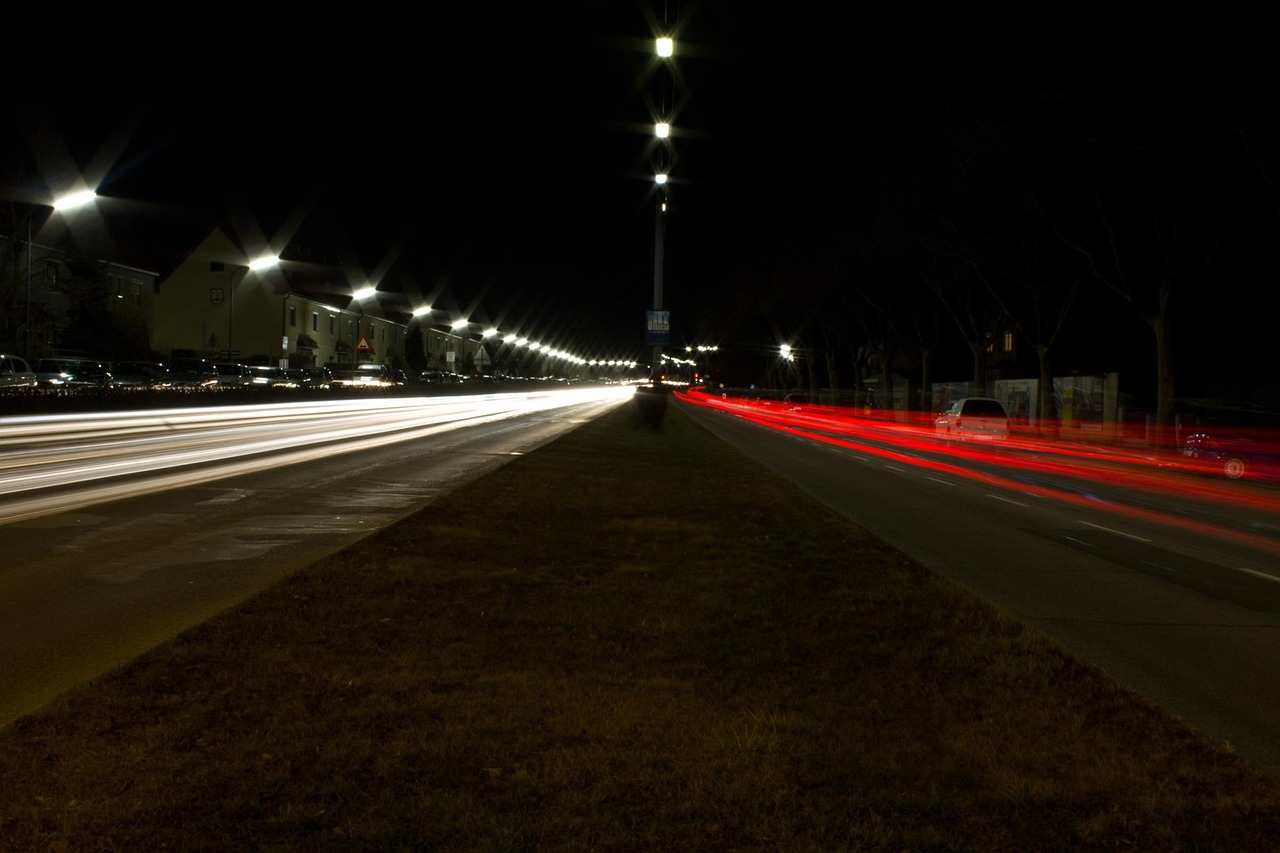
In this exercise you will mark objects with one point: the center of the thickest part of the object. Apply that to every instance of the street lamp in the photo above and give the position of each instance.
(65, 203)
(360, 295)
(241, 270)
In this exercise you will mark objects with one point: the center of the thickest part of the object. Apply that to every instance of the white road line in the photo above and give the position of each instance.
(1113, 530)
(1257, 573)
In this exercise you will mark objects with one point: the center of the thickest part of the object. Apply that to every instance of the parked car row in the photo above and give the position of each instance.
(66, 374)
(56, 373)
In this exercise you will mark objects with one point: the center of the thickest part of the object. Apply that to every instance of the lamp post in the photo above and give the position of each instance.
(659, 239)
(67, 202)
(665, 48)
(241, 270)
(361, 294)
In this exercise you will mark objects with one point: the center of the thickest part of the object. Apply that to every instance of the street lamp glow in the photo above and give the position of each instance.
(489, 333)
(422, 310)
(264, 262)
(662, 130)
(785, 352)
(666, 46)
(365, 292)
(74, 200)
(459, 325)
(660, 178)
(511, 338)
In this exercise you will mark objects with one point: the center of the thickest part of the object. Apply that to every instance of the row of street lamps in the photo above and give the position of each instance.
(258, 266)
(516, 341)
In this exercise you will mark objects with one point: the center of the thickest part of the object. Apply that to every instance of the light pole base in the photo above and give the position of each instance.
(650, 407)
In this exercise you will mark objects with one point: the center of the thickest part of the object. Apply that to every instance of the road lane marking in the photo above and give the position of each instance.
(1132, 536)
(1259, 574)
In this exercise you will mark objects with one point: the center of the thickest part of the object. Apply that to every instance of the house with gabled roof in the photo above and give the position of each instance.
(217, 303)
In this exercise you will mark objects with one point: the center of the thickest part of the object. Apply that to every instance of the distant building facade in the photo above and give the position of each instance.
(295, 313)
(54, 301)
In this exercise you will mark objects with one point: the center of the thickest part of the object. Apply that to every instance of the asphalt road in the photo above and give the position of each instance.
(1169, 583)
(87, 590)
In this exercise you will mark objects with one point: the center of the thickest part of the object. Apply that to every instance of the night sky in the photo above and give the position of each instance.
(495, 159)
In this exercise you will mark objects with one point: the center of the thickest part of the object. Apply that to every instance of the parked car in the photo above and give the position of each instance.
(71, 373)
(141, 375)
(265, 376)
(310, 377)
(192, 374)
(15, 373)
(1236, 450)
(232, 374)
(363, 376)
(440, 377)
(981, 418)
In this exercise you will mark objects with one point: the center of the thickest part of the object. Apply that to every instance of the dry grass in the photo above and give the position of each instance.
(629, 640)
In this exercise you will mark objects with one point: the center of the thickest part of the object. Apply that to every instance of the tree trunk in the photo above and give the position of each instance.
(979, 373)
(886, 382)
(859, 386)
(1046, 417)
(1164, 383)
(832, 381)
(926, 386)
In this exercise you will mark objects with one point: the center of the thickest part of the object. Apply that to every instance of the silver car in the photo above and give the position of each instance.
(15, 373)
(981, 418)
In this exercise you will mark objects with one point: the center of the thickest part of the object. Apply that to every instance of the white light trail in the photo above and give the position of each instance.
(51, 464)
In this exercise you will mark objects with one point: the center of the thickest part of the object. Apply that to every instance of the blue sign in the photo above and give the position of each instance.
(657, 327)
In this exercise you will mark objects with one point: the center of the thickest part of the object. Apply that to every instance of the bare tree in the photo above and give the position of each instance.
(1152, 245)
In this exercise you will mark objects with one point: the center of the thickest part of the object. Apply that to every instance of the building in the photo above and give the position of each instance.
(55, 300)
(215, 303)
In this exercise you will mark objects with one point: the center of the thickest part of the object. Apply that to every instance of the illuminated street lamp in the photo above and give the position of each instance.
(257, 265)
(360, 294)
(60, 205)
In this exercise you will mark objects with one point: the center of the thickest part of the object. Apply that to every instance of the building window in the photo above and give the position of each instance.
(135, 292)
(293, 316)
(315, 321)
(51, 274)
(1008, 341)
(333, 324)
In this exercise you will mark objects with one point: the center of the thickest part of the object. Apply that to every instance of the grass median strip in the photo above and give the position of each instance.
(627, 640)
